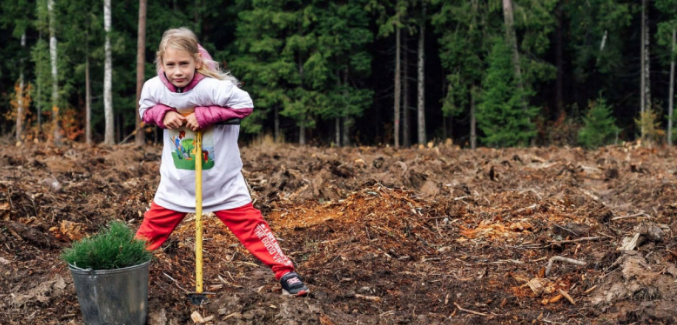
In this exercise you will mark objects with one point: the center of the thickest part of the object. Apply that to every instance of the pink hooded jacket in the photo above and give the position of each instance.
(206, 115)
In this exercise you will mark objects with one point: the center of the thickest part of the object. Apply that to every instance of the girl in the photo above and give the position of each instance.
(190, 93)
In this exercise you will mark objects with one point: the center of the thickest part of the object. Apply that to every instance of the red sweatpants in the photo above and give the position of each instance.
(246, 223)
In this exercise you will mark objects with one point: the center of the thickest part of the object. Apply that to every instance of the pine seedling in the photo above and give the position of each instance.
(113, 247)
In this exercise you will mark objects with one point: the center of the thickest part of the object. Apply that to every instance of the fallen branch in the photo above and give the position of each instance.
(589, 290)
(470, 311)
(533, 206)
(133, 133)
(636, 215)
(566, 295)
(175, 282)
(369, 298)
(562, 259)
(228, 283)
(576, 240)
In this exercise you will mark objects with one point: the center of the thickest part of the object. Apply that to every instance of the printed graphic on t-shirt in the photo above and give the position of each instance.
(183, 148)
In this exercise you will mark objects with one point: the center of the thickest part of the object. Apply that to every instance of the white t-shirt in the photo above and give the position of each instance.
(223, 186)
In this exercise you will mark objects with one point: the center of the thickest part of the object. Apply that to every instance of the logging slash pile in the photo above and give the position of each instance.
(431, 235)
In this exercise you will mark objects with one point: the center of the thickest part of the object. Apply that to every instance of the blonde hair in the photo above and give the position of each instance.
(184, 39)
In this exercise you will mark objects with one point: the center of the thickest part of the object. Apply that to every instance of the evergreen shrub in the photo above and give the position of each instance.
(113, 247)
(599, 126)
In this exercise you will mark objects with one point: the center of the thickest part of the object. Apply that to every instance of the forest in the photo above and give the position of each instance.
(356, 72)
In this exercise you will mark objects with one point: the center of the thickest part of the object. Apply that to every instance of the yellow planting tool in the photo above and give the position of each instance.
(197, 297)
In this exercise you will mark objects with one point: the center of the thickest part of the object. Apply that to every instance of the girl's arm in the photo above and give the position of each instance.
(209, 115)
(156, 115)
(229, 102)
(152, 112)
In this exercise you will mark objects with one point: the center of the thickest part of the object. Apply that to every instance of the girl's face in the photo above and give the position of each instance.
(179, 66)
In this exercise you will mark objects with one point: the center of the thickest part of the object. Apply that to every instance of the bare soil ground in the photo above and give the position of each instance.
(433, 235)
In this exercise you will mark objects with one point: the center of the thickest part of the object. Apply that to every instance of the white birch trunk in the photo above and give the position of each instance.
(397, 95)
(672, 86)
(421, 77)
(55, 76)
(108, 78)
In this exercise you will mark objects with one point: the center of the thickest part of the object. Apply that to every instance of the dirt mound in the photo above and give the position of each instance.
(382, 236)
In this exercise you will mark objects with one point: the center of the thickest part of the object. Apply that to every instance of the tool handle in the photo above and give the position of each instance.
(233, 121)
(198, 211)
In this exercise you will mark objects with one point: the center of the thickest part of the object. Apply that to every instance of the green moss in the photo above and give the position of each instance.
(113, 247)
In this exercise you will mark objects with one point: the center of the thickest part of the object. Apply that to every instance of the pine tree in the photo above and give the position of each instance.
(501, 115)
(343, 36)
(599, 125)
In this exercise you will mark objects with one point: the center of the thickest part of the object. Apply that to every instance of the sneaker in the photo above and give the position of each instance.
(293, 285)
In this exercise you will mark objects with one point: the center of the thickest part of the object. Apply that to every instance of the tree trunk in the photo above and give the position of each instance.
(347, 121)
(276, 121)
(642, 58)
(421, 76)
(88, 96)
(559, 96)
(511, 39)
(38, 103)
(672, 86)
(55, 76)
(140, 67)
(473, 121)
(406, 125)
(302, 126)
(302, 134)
(107, 78)
(20, 95)
(645, 89)
(397, 90)
(337, 133)
(647, 58)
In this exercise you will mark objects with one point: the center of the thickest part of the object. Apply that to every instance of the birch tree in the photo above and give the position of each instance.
(140, 66)
(107, 77)
(55, 76)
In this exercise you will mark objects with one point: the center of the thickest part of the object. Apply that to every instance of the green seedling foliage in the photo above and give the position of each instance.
(113, 247)
(599, 125)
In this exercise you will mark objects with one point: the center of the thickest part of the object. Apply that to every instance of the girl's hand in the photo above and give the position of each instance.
(191, 122)
(173, 120)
